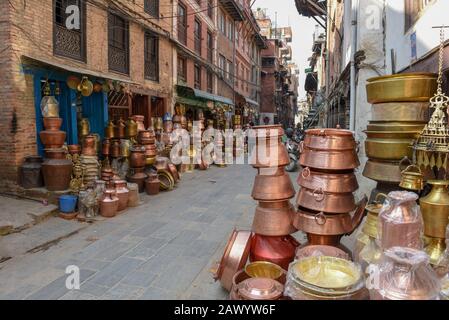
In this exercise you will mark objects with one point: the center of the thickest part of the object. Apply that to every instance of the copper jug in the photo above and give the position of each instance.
(115, 148)
(120, 129)
(405, 274)
(139, 119)
(89, 146)
(278, 250)
(109, 131)
(400, 221)
(122, 194)
(109, 204)
(152, 184)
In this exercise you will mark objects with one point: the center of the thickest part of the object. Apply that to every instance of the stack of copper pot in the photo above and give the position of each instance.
(326, 197)
(89, 160)
(400, 110)
(137, 166)
(147, 138)
(273, 188)
(56, 168)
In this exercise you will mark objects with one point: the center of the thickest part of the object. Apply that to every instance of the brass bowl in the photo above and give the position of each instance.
(395, 126)
(385, 171)
(264, 269)
(407, 87)
(389, 149)
(392, 134)
(327, 273)
(404, 112)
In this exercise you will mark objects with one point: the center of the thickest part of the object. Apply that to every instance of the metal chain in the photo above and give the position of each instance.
(440, 63)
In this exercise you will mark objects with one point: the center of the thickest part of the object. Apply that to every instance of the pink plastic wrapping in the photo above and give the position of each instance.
(404, 274)
(400, 221)
(321, 250)
(366, 251)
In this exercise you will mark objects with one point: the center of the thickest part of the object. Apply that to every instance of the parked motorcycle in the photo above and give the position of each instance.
(293, 152)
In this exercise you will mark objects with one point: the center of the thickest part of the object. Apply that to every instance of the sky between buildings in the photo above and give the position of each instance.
(302, 28)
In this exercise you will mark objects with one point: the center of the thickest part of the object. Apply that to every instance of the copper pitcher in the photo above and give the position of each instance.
(274, 219)
(89, 146)
(139, 119)
(329, 160)
(109, 204)
(278, 250)
(273, 188)
(319, 200)
(328, 182)
(329, 139)
(122, 193)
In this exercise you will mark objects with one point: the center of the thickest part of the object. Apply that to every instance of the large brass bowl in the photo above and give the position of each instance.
(385, 171)
(264, 269)
(407, 87)
(401, 111)
(392, 134)
(395, 126)
(389, 149)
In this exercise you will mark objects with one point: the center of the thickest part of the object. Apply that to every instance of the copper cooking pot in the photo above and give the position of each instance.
(115, 148)
(234, 257)
(161, 163)
(318, 200)
(52, 123)
(242, 275)
(278, 250)
(328, 182)
(329, 139)
(106, 148)
(274, 219)
(52, 139)
(269, 155)
(330, 224)
(268, 132)
(273, 188)
(146, 136)
(329, 160)
(137, 158)
(89, 146)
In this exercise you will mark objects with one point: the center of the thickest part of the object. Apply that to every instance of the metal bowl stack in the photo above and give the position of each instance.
(400, 110)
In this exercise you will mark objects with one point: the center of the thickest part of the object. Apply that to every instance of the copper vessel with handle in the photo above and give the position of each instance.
(278, 250)
(335, 160)
(319, 200)
(328, 182)
(329, 139)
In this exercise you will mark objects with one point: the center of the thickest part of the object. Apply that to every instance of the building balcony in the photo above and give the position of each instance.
(311, 8)
(234, 9)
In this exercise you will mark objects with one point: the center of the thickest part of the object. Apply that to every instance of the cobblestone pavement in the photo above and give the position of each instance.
(163, 249)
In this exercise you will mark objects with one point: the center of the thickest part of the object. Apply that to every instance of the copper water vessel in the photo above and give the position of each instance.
(278, 250)
(31, 173)
(273, 188)
(274, 219)
(329, 224)
(52, 123)
(106, 147)
(328, 182)
(152, 184)
(131, 130)
(109, 131)
(137, 176)
(318, 200)
(329, 160)
(89, 146)
(120, 129)
(400, 221)
(56, 170)
(115, 148)
(137, 158)
(109, 204)
(234, 257)
(122, 193)
(52, 137)
(139, 119)
(329, 139)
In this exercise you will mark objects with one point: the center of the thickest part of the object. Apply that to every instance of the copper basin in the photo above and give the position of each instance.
(329, 160)
(318, 200)
(272, 219)
(328, 182)
(273, 188)
(329, 139)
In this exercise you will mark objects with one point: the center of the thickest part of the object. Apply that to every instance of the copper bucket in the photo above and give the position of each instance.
(273, 188)
(274, 219)
(329, 139)
(318, 200)
(329, 160)
(328, 182)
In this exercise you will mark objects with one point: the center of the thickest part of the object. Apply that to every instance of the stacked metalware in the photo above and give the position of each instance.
(400, 110)
(326, 198)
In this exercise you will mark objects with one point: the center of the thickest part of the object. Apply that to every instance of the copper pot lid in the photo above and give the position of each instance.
(234, 258)
(260, 289)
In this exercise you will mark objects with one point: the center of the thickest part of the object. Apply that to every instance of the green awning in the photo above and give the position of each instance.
(195, 94)
(191, 102)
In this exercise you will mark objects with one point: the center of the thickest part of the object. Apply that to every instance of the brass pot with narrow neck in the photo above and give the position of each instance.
(435, 213)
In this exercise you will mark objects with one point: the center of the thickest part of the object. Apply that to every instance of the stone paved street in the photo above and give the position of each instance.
(163, 249)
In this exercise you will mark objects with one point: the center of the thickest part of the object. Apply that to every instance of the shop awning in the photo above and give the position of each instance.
(254, 103)
(195, 94)
(192, 102)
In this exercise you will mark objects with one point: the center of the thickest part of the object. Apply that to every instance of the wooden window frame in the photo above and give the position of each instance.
(151, 58)
(197, 35)
(197, 76)
(210, 47)
(210, 81)
(114, 44)
(182, 76)
(182, 24)
(413, 10)
(151, 7)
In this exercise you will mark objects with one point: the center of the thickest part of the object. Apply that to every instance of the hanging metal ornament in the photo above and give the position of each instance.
(432, 147)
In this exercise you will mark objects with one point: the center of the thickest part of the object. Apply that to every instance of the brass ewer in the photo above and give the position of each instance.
(435, 212)
(412, 178)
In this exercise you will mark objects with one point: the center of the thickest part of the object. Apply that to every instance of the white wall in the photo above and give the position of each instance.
(427, 37)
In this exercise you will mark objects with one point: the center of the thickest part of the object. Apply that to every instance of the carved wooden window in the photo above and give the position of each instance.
(182, 69)
(118, 44)
(197, 74)
(69, 35)
(151, 56)
(197, 36)
(152, 7)
(182, 23)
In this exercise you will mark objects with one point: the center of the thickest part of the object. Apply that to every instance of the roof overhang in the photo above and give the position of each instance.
(234, 9)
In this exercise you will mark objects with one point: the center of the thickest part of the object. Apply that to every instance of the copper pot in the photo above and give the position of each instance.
(138, 176)
(152, 184)
(269, 155)
(234, 257)
(321, 250)
(273, 188)
(56, 170)
(52, 123)
(329, 224)
(146, 137)
(115, 148)
(137, 158)
(242, 275)
(260, 289)
(139, 121)
(278, 250)
(328, 182)
(106, 147)
(109, 204)
(109, 131)
(274, 219)
(329, 160)
(318, 200)
(326, 240)
(122, 194)
(52, 139)
(74, 149)
(329, 139)
(89, 146)
(161, 163)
